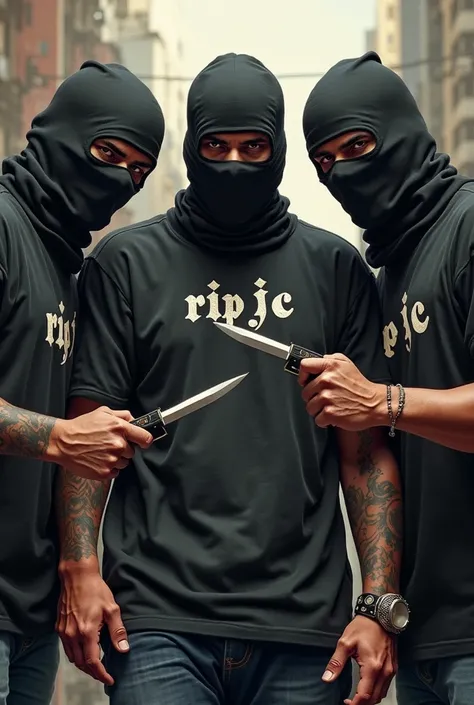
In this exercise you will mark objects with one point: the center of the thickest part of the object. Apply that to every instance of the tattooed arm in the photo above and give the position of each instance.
(24, 433)
(95, 445)
(86, 602)
(79, 507)
(371, 487)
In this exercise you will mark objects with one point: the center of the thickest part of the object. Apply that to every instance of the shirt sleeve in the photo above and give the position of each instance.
(361, 334)
(104, 358)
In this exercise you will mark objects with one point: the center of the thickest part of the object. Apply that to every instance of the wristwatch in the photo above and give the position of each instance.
(391, 611)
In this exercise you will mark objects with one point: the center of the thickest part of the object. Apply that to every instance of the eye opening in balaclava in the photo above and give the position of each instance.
(235, 131)
(110, 134)
(359, 127)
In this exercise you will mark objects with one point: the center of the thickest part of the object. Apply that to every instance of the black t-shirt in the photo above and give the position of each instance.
(231, 525)
(428, 311)
(37, 330)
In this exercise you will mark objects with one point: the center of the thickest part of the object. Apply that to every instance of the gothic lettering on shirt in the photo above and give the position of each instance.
(413, 320)
(61, 331)
(229, 307)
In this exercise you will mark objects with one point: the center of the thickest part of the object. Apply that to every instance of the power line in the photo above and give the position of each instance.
(285, 76)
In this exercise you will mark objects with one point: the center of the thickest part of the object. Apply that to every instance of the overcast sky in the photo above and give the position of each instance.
(289, 37)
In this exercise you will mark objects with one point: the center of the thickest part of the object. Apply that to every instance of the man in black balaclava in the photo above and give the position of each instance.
(225, 547)
(372, 150)
(88, 153)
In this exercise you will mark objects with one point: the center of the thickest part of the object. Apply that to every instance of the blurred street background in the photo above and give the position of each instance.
(166, 42)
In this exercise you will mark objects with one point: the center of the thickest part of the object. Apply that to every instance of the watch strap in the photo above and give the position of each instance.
(366, 605)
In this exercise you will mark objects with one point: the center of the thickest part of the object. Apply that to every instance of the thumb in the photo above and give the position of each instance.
(135, 434)
(309, 367)
(118, 633)
(336, 664)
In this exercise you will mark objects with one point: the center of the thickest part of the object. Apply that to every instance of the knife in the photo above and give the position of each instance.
(292, 354)
(155, 421)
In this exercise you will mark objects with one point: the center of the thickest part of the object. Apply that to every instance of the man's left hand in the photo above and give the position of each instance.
(375, 652)
(340, 395)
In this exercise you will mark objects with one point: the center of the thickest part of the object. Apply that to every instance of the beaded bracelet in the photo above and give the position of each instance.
(401, 404)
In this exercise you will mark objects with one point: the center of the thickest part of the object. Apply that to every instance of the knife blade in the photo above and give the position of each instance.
(156, 421)
(292, 353)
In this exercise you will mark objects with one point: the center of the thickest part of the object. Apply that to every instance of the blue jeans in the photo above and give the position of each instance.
(28, 669)
(177, 669)
(446, 681)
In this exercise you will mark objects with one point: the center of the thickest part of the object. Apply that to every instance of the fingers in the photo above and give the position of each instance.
(315, 406)
(337, 662)
(92, 663)
(72, 645)
(137, 435)
(128, 452)
(120, 413)
(120, 465)
(365, 694)
(311, 389)
(385, 679)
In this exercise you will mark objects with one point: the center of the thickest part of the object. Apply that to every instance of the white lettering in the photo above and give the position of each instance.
(406, 325)
(419, 326)
(194, 302)
(413, 316)
(61, 332)
(234, 306)
(390, 335)
(213, 302)
(277, 305)
(261, 312)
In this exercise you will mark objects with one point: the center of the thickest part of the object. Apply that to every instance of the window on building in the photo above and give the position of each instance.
(390, 12)
(390, 41)
(464, 45)
(463, 88)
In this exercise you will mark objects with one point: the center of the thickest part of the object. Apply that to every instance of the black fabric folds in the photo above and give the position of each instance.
(233, 206)
(399, 190)
(64, 190)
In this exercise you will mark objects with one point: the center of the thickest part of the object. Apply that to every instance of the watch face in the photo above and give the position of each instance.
(399, 614)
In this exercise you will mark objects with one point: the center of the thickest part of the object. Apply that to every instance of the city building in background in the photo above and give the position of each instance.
(44, 41)
(430, 43)
(11, 13)
(152, 48)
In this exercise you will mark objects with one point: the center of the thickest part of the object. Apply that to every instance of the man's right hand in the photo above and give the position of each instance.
(96, 445)
(85, 606)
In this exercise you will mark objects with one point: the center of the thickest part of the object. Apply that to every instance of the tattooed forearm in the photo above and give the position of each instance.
(373, 499)
(80, 504)
(22, 432)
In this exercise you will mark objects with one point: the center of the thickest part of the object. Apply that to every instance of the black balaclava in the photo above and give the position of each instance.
(64, 190)
(398, 191)
(234, 206)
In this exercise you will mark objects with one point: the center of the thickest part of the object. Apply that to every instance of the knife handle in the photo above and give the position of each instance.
(152, 422)
(296, 354)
